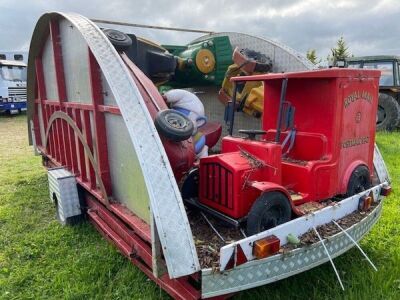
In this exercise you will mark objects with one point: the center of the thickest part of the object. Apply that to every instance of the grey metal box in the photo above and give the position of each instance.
(64, 194)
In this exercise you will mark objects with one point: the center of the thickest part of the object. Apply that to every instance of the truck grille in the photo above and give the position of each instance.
(217, 185)
(17, 93)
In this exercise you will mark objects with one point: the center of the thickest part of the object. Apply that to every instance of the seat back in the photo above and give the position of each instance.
(307, 146)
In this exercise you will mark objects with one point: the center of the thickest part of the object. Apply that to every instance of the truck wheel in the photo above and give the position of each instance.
(359, 181)
(388, 115)
(121, 41)
(269, 210)
(173, 125)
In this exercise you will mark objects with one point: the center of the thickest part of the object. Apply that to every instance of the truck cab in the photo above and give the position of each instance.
(316, 143)
(12, 86)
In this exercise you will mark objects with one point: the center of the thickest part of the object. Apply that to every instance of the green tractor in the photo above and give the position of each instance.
(388, 117)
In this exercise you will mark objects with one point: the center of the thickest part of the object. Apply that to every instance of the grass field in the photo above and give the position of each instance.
(39, 259)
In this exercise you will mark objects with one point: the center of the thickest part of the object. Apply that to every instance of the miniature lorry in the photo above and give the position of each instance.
(92, 116)
(317, 142)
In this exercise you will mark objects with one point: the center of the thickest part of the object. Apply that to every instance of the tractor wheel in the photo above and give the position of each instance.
(388, 115)
(360, 180)
(121, 41)
(269, 210)
(174, 125)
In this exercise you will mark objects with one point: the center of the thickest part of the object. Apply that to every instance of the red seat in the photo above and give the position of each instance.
(212, 131)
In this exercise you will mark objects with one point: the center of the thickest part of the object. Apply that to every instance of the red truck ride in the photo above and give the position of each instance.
(316, 142)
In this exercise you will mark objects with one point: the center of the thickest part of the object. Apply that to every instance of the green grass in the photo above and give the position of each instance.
(39, 259)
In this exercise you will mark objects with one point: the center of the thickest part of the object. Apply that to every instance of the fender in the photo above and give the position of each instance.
(347, 174)
(265, 186)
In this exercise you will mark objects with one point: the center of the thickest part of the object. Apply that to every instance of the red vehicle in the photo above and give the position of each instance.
(317, 142)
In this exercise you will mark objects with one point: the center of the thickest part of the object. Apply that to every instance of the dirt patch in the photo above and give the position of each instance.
(295, 161)
(328, 229)
(207, 242)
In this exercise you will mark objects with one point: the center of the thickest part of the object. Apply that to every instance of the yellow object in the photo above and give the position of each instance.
(205, 61)
(254, 104)
(253, 92)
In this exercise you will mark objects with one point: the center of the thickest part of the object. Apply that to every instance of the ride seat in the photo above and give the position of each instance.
(307, 146)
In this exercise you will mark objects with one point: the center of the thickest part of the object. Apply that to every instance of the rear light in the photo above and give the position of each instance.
(266, 247)
(365, 203)
(386, 190)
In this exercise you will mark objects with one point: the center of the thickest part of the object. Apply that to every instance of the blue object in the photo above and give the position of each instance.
(200, 144)
(12, 105)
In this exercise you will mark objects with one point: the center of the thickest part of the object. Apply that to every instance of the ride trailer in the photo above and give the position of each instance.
(95, 117)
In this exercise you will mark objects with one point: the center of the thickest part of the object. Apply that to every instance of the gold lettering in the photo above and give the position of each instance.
(355, 142)
(357, 95)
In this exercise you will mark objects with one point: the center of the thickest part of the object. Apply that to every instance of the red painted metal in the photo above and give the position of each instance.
(58, 60)
(335, 133)
(131, 235)
(99, 122)
(137, 247)
(137, 250)
(80, 150)
(72, 143)
(110, 109)
(87, 129)
(141, 228)
(181, 155)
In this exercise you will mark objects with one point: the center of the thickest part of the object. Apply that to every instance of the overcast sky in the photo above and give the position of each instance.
(368, 26)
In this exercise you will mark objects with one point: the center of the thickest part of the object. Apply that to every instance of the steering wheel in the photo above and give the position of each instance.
(252, 133)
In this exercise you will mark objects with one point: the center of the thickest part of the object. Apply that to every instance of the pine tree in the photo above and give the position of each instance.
(341, 51)
(312, 56)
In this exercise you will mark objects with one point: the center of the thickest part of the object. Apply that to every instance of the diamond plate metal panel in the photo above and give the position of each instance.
(165, 199)
(284, 58)
(271, 269)
(380, 166)
(62, 184)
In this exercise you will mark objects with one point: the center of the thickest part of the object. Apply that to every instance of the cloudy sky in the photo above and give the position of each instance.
(368, 26)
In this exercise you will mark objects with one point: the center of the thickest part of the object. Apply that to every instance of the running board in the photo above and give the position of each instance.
(216, 214)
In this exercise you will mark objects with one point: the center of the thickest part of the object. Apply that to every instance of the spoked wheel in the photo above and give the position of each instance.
(174, 125)
(359, 181)
(269, 210)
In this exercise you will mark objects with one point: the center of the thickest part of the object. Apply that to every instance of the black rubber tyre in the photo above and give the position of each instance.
(269, 210)
(263, 62)
(388, 115)
(121, 41)
(360, 180)
(173, 125)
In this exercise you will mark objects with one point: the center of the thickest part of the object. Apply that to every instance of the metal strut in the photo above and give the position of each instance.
(330, 258)
(212, 227)
(356, 244)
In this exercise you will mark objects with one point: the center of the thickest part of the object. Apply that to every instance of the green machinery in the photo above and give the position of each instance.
(203, 63)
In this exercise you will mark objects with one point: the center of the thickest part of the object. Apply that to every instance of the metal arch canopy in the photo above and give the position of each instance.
(165, 199)
(284, 58)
